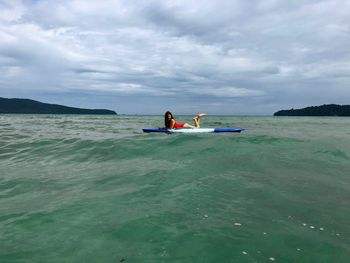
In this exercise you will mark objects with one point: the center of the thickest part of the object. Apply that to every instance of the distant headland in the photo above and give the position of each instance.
(323, 110)
(27, 106)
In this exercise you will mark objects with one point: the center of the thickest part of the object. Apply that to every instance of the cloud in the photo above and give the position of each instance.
(228, 92)
(263, 55)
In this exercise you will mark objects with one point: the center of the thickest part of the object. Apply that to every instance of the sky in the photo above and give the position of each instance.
(145, 57)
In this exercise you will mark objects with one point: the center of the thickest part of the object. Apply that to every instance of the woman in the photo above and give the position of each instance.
(170, 122)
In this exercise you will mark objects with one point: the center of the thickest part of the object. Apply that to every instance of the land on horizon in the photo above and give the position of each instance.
(323, 110)
(28, 106)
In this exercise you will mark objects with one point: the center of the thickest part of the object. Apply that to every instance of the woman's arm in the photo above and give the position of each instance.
(172, 124)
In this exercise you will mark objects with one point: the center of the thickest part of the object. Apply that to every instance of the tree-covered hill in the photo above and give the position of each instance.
(27, 106)
(323, 110)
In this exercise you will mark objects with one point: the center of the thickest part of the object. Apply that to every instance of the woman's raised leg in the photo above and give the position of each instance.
(197, 120)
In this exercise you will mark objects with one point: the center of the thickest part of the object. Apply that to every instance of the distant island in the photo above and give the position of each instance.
(27, 106)
(323, 110)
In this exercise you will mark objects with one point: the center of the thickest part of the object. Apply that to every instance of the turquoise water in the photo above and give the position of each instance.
(96, 189)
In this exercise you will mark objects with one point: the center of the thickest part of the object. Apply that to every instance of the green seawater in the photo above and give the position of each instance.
(97, 189)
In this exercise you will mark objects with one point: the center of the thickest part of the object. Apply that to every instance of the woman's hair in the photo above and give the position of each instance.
(166, 120)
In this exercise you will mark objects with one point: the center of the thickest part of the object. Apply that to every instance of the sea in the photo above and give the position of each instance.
(89, 188)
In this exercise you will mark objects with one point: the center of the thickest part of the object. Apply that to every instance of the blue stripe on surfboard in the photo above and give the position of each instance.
(228, 129)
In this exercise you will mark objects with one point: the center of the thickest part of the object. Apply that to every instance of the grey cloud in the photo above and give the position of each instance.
(258, 55)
